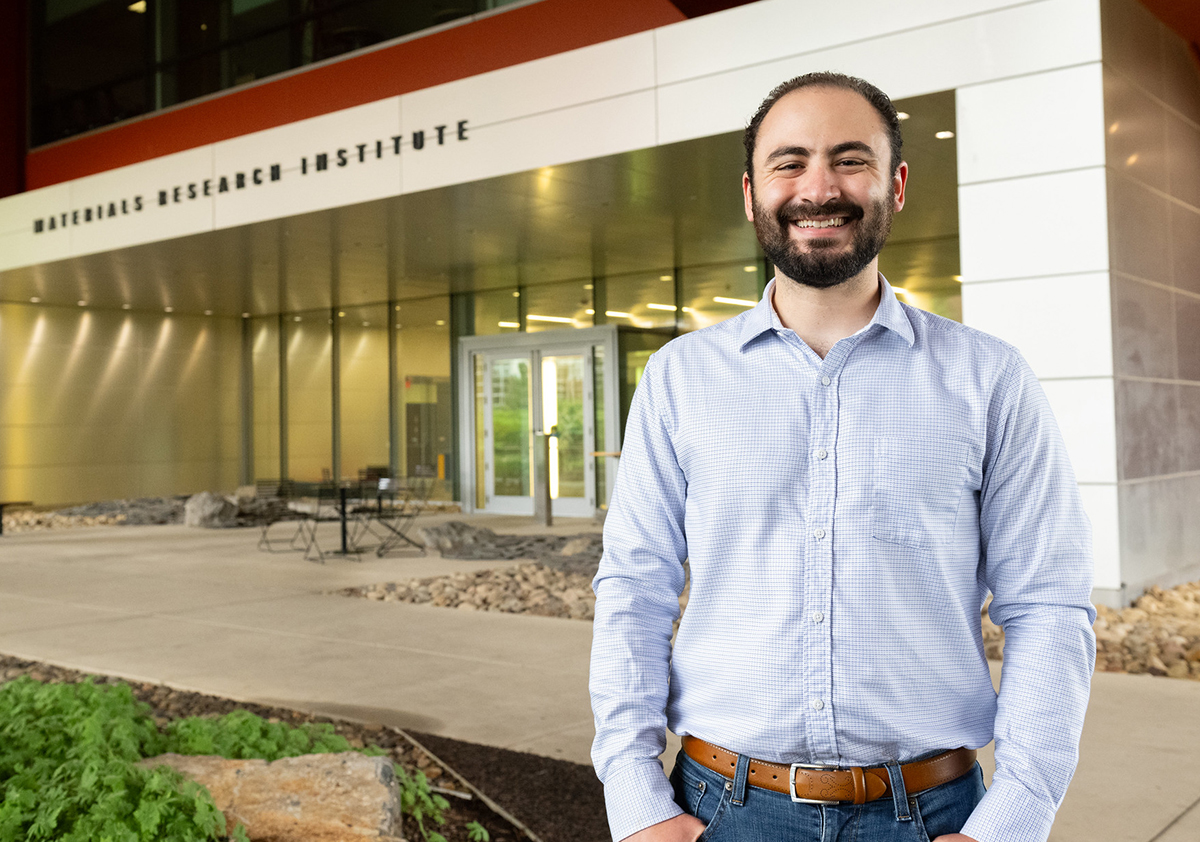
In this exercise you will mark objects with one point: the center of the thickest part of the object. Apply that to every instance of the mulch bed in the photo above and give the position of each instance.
(557, 800)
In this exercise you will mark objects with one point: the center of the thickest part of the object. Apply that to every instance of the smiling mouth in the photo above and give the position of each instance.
(838, 222)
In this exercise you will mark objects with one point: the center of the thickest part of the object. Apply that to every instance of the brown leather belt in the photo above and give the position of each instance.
(831, 785)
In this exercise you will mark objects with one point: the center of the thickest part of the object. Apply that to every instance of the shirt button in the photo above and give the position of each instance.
(822, 453)
(817, 704)
(825, 381)
(818, 533)
(818, 617)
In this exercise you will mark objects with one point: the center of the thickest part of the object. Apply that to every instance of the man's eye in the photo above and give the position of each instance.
(850, 162)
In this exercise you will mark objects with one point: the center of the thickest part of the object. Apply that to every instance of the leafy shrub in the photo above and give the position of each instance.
(66, 770)
(67, 755)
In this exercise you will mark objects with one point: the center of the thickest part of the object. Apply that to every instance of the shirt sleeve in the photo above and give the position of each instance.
(1037, 561)
(637, 589)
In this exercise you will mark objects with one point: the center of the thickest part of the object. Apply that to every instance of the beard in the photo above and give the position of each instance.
(817, 264)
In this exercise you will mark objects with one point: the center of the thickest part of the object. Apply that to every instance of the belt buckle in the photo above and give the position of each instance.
(820, 767)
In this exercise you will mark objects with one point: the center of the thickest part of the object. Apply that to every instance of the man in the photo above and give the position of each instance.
(848, 477)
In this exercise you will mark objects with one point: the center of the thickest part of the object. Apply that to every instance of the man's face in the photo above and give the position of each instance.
(822, 197)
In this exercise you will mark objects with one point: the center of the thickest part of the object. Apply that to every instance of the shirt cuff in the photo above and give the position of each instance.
(1009, 813)
(637, 796)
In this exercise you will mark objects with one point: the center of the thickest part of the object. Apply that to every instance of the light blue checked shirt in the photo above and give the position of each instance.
(844, 520)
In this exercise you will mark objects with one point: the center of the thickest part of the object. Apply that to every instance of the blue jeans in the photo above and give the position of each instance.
(766, 816)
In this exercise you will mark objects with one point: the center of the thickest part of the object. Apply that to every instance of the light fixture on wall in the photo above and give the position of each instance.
(666, 277)
(944, 135)
(749, 268)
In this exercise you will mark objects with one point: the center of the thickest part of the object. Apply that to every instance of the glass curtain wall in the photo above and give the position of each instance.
(423, 396)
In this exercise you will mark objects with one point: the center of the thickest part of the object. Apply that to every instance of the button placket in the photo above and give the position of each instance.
(818, 644)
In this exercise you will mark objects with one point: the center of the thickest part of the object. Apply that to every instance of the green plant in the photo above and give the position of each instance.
(242, 735)
(67, 755)
(418, 801)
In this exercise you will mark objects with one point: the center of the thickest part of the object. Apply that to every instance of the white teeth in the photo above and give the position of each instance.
(821, 223)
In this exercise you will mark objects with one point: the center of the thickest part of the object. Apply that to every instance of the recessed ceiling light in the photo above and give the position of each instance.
(749, 268)
(126, 306)
(397, 307)
(590, 312)
(440, 322)
(81, 303)
(366, 324)
(517, 294)
(741, 302)
(944, 135)
(341, 315)
(35, 300)
(139, 7)
(295, 318)
(903, 115)
(245, 315)
(589, 286)
(208, 312)
(508, 324)
(666, 277)
(168, 309)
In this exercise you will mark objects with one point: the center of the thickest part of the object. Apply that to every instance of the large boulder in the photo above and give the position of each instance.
(345, 797)
(210, 511)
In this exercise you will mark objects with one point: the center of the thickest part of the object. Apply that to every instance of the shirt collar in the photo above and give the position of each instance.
(889, 315)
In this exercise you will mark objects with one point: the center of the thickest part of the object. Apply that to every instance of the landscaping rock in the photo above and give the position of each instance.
(210, 511)
(345, 797)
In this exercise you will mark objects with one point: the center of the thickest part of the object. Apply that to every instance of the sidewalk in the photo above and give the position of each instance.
(203, 610)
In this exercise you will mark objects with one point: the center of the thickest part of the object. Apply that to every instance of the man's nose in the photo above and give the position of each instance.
(819, 184)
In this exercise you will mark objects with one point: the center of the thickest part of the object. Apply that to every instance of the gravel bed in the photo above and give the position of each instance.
(142, 511)
(168, 704)
(1159, 634)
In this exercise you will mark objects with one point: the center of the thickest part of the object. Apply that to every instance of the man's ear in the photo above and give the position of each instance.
(899, 182)
(748, 196)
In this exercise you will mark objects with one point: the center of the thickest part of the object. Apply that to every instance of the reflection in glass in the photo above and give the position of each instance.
(480, 368)
(600, 439)
(718, 292)
(558, 306)
(511, 445)
(423, 395)
(562, 417)
(497, 311)
(648, 299)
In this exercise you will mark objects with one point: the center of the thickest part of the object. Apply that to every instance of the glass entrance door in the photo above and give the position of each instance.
(568, 417)
(520, 396)
(505, 434)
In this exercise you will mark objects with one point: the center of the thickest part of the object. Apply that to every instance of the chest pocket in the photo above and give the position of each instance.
(917, 486)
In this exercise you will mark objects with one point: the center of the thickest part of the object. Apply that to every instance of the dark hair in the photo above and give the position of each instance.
(827, 79)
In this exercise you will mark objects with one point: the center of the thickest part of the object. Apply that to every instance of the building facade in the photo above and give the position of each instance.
(415, 255)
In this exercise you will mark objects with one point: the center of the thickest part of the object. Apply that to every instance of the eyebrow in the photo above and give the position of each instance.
(847, 146)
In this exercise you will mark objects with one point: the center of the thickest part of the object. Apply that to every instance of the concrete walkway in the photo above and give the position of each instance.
(203, 610)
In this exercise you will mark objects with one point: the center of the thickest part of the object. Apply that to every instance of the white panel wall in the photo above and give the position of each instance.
(694, 78)
(1033, 234)
(908, 61)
